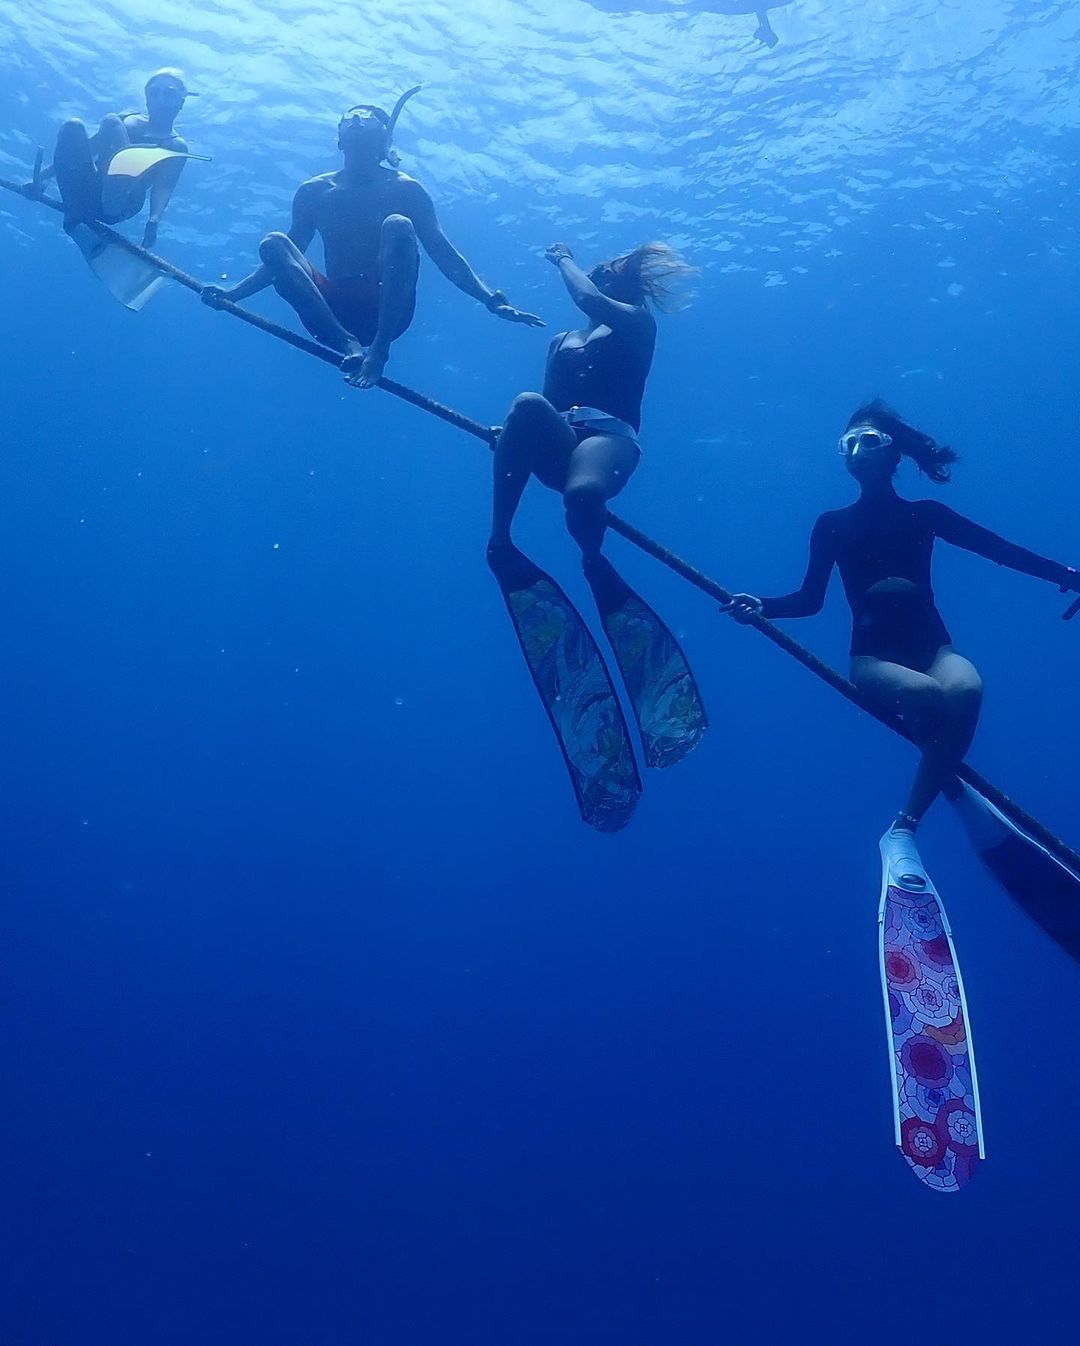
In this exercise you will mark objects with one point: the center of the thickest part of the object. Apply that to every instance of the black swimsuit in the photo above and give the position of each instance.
(883, 550)
(608, 373)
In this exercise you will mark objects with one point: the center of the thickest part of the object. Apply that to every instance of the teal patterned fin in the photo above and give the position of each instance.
(663, 692)
(576, 689)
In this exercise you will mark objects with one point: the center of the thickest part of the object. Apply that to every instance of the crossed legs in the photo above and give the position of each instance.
(940, 707)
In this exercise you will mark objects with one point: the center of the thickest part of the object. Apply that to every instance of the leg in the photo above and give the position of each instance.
(920, 701)
(121, 197)
(941, 707)
(77, 175)
(534, 431)
(961, 686)
(600, 467)
(399, 266)
(294, 280)
(943, 751)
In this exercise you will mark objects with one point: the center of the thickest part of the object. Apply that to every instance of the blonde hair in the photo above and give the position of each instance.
(659, 272)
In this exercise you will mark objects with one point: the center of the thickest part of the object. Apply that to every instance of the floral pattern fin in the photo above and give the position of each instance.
(664, 695)
(938, 1118)
(575, 688)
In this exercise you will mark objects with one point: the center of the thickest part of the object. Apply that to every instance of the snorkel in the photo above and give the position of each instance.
(389, 121)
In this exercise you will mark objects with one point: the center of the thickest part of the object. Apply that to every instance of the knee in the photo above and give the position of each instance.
(72, 129)
(965, 697)
(398, 231)
(584, 499)
(527, 409)
(111, 123)
(274, 249)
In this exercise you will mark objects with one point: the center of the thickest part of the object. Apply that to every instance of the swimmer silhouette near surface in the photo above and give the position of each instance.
(764, 32)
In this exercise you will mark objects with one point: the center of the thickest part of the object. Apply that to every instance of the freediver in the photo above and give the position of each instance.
(580, 438)
(81, 161)
(371, 218)
(764, 32)
(902, 656)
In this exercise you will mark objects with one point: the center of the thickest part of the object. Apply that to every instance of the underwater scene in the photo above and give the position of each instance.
(535, 711)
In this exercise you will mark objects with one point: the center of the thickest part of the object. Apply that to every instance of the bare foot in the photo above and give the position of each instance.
(352, 362)
(364, 371)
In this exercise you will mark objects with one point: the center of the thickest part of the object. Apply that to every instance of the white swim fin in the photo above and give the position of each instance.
(127, 278)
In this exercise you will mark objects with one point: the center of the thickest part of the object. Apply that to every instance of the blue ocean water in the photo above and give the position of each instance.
(324, 1019)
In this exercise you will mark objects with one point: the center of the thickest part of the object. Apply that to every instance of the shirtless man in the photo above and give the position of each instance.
(81, 161)
(371, 219)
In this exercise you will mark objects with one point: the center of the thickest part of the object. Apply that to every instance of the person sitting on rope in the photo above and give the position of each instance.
(580, 437)
(81, 161)
(902, 657)
(371, 218)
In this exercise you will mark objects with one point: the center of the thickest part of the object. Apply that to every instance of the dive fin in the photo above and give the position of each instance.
(765, 33)
(936, 1110)
(576, 689)
(127, 278)
(136, 160)
(667, 705)
(1046, 889)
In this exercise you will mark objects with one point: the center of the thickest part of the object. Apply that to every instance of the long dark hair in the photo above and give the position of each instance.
(934, 460)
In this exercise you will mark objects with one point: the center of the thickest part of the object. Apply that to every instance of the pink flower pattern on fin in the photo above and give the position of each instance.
(931, 1054)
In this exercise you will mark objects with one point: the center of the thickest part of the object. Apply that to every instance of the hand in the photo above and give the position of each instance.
(516, 315)
(213, 296)
(149, 237)
(743, 607)
(558, 252)
(498, 304)
(33, 191)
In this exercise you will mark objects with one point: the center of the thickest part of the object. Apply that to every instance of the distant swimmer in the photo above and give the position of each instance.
(100, 180)
(764, 32)
(902, 655)
(371, 219)
(580, 438)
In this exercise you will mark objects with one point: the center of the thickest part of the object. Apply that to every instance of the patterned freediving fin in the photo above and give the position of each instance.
(664, 695)
(576, 689)
(1045, 888)
(936, 1108)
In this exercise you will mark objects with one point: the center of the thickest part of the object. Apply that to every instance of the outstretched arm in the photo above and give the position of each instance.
(301, 231)
(597, 307)
(421, 210)
(961, 532)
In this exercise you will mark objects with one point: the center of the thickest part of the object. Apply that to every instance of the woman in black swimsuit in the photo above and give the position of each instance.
(901, 651)
(580, 436)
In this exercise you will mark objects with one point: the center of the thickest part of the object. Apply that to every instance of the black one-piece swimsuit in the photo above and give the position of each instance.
(883, 550)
